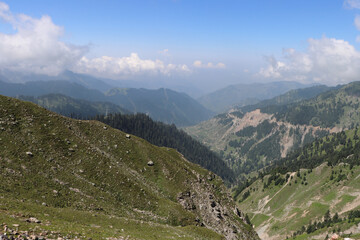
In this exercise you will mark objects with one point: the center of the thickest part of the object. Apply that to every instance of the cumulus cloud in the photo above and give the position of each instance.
(326, 60)
(36, 47)
(199, 64)
(110, 66)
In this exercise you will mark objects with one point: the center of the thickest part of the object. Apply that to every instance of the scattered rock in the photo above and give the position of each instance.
(150, 163)
(29, 154)
(33, 220)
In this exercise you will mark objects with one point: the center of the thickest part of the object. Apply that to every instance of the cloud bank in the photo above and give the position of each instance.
(199, 64)
(125, 66)
(36, 47)
(326, 60)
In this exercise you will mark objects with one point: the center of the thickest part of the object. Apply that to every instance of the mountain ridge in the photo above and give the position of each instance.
(163, 104)
(245, 94)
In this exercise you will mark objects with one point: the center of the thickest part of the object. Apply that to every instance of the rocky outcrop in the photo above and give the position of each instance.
(217, 212)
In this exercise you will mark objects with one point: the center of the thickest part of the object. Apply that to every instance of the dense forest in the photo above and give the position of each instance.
(338, 107)
(333, 149)
(161, 134)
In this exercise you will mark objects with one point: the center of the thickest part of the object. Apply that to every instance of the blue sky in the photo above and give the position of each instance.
(235, 36)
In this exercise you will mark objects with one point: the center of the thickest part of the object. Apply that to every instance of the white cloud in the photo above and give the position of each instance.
(199, 64)
(327, 60)
(36, 47)
(352, 3)
(132, 65)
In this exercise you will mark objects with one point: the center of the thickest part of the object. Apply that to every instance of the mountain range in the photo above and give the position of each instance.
(162, 104)
(226, 98)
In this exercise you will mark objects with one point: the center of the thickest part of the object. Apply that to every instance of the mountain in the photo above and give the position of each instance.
(39, 88)
(245, 94)
(252, 137)
(162, 105)
(311, 193)
(164, 135)
(292, 96)
(69, 178)
(72, 107)
(338, 108)
(82, 79)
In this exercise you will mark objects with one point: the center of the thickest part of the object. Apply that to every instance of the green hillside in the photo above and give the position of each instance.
(337, 108)
(164, 135)
(78, 179)
(76, 108)
(292, 198)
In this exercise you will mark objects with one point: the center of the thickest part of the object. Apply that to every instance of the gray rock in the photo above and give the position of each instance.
(150, 163)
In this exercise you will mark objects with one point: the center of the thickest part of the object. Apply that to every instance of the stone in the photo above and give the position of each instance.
(29, 154)
(33, 220)
(128, 136)
(150, 163)
(334, 237)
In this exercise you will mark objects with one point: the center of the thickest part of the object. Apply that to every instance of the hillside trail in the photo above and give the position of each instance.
(262, 205)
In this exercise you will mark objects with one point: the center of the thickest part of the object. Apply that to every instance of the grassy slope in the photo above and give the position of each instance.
(86, 179)
(280, 210)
